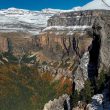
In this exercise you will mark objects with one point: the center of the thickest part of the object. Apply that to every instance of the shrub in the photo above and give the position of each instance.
(21, 90)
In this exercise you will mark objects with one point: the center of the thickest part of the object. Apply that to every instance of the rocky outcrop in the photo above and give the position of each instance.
(57, 72)
(81, 73)
(96, 104)
(100, 101)
(56, 104)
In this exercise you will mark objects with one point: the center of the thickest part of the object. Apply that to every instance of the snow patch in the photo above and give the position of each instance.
(72, 28)
(97, 4)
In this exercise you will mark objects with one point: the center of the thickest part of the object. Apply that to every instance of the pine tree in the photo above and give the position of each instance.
(87, 93)
(74, 98)
(101, 81)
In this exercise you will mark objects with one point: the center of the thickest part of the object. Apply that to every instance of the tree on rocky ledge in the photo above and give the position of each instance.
(10, 46)
(87, 93)
(74, 98)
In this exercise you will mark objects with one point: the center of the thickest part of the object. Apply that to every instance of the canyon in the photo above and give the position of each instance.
(64, 45)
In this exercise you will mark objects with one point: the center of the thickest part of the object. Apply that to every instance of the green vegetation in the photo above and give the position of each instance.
(74, 99)
(85, 95)
(101, 81)
(22, 88)
(23, 59)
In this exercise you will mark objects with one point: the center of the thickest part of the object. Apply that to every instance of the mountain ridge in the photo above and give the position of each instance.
(23, 20)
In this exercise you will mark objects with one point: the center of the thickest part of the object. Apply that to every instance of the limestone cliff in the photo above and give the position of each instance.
(78, 18)
(71, 30)
(75, 33)
(17, 42)
(3, 44)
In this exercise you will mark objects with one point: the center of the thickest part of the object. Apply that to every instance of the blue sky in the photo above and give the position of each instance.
(41, 4)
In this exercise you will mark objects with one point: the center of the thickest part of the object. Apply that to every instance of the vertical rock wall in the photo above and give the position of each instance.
(3, 44)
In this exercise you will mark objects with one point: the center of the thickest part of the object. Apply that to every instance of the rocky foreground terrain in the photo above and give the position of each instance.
(62, 45)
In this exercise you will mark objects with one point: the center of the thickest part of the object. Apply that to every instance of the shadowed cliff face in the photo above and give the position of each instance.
(17, 42)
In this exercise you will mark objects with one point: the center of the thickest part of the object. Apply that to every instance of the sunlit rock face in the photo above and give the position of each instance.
(56, 104)
(61, 44)
(18, 42)
(78, 18)
(3, 44)
(81, 73)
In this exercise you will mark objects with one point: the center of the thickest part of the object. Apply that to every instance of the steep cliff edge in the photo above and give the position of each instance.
(75, 33)
(71, 30)
(78, 18)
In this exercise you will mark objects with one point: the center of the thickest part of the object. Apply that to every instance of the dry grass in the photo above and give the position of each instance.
(22, 88)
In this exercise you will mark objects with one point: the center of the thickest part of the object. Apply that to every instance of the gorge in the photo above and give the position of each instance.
(73, 47)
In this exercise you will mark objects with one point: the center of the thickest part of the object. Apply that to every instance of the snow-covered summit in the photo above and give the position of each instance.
(49, 10)
(97, 4)
(14, 11)
(13, 19)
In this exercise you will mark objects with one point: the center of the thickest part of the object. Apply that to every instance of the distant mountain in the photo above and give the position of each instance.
(13, 19)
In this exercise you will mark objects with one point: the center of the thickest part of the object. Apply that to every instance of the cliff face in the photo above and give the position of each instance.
(104, 22)
(61, 44)
(58, 37)
(75, 32)
(3, 44)
(78, 18)
(16, 42)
